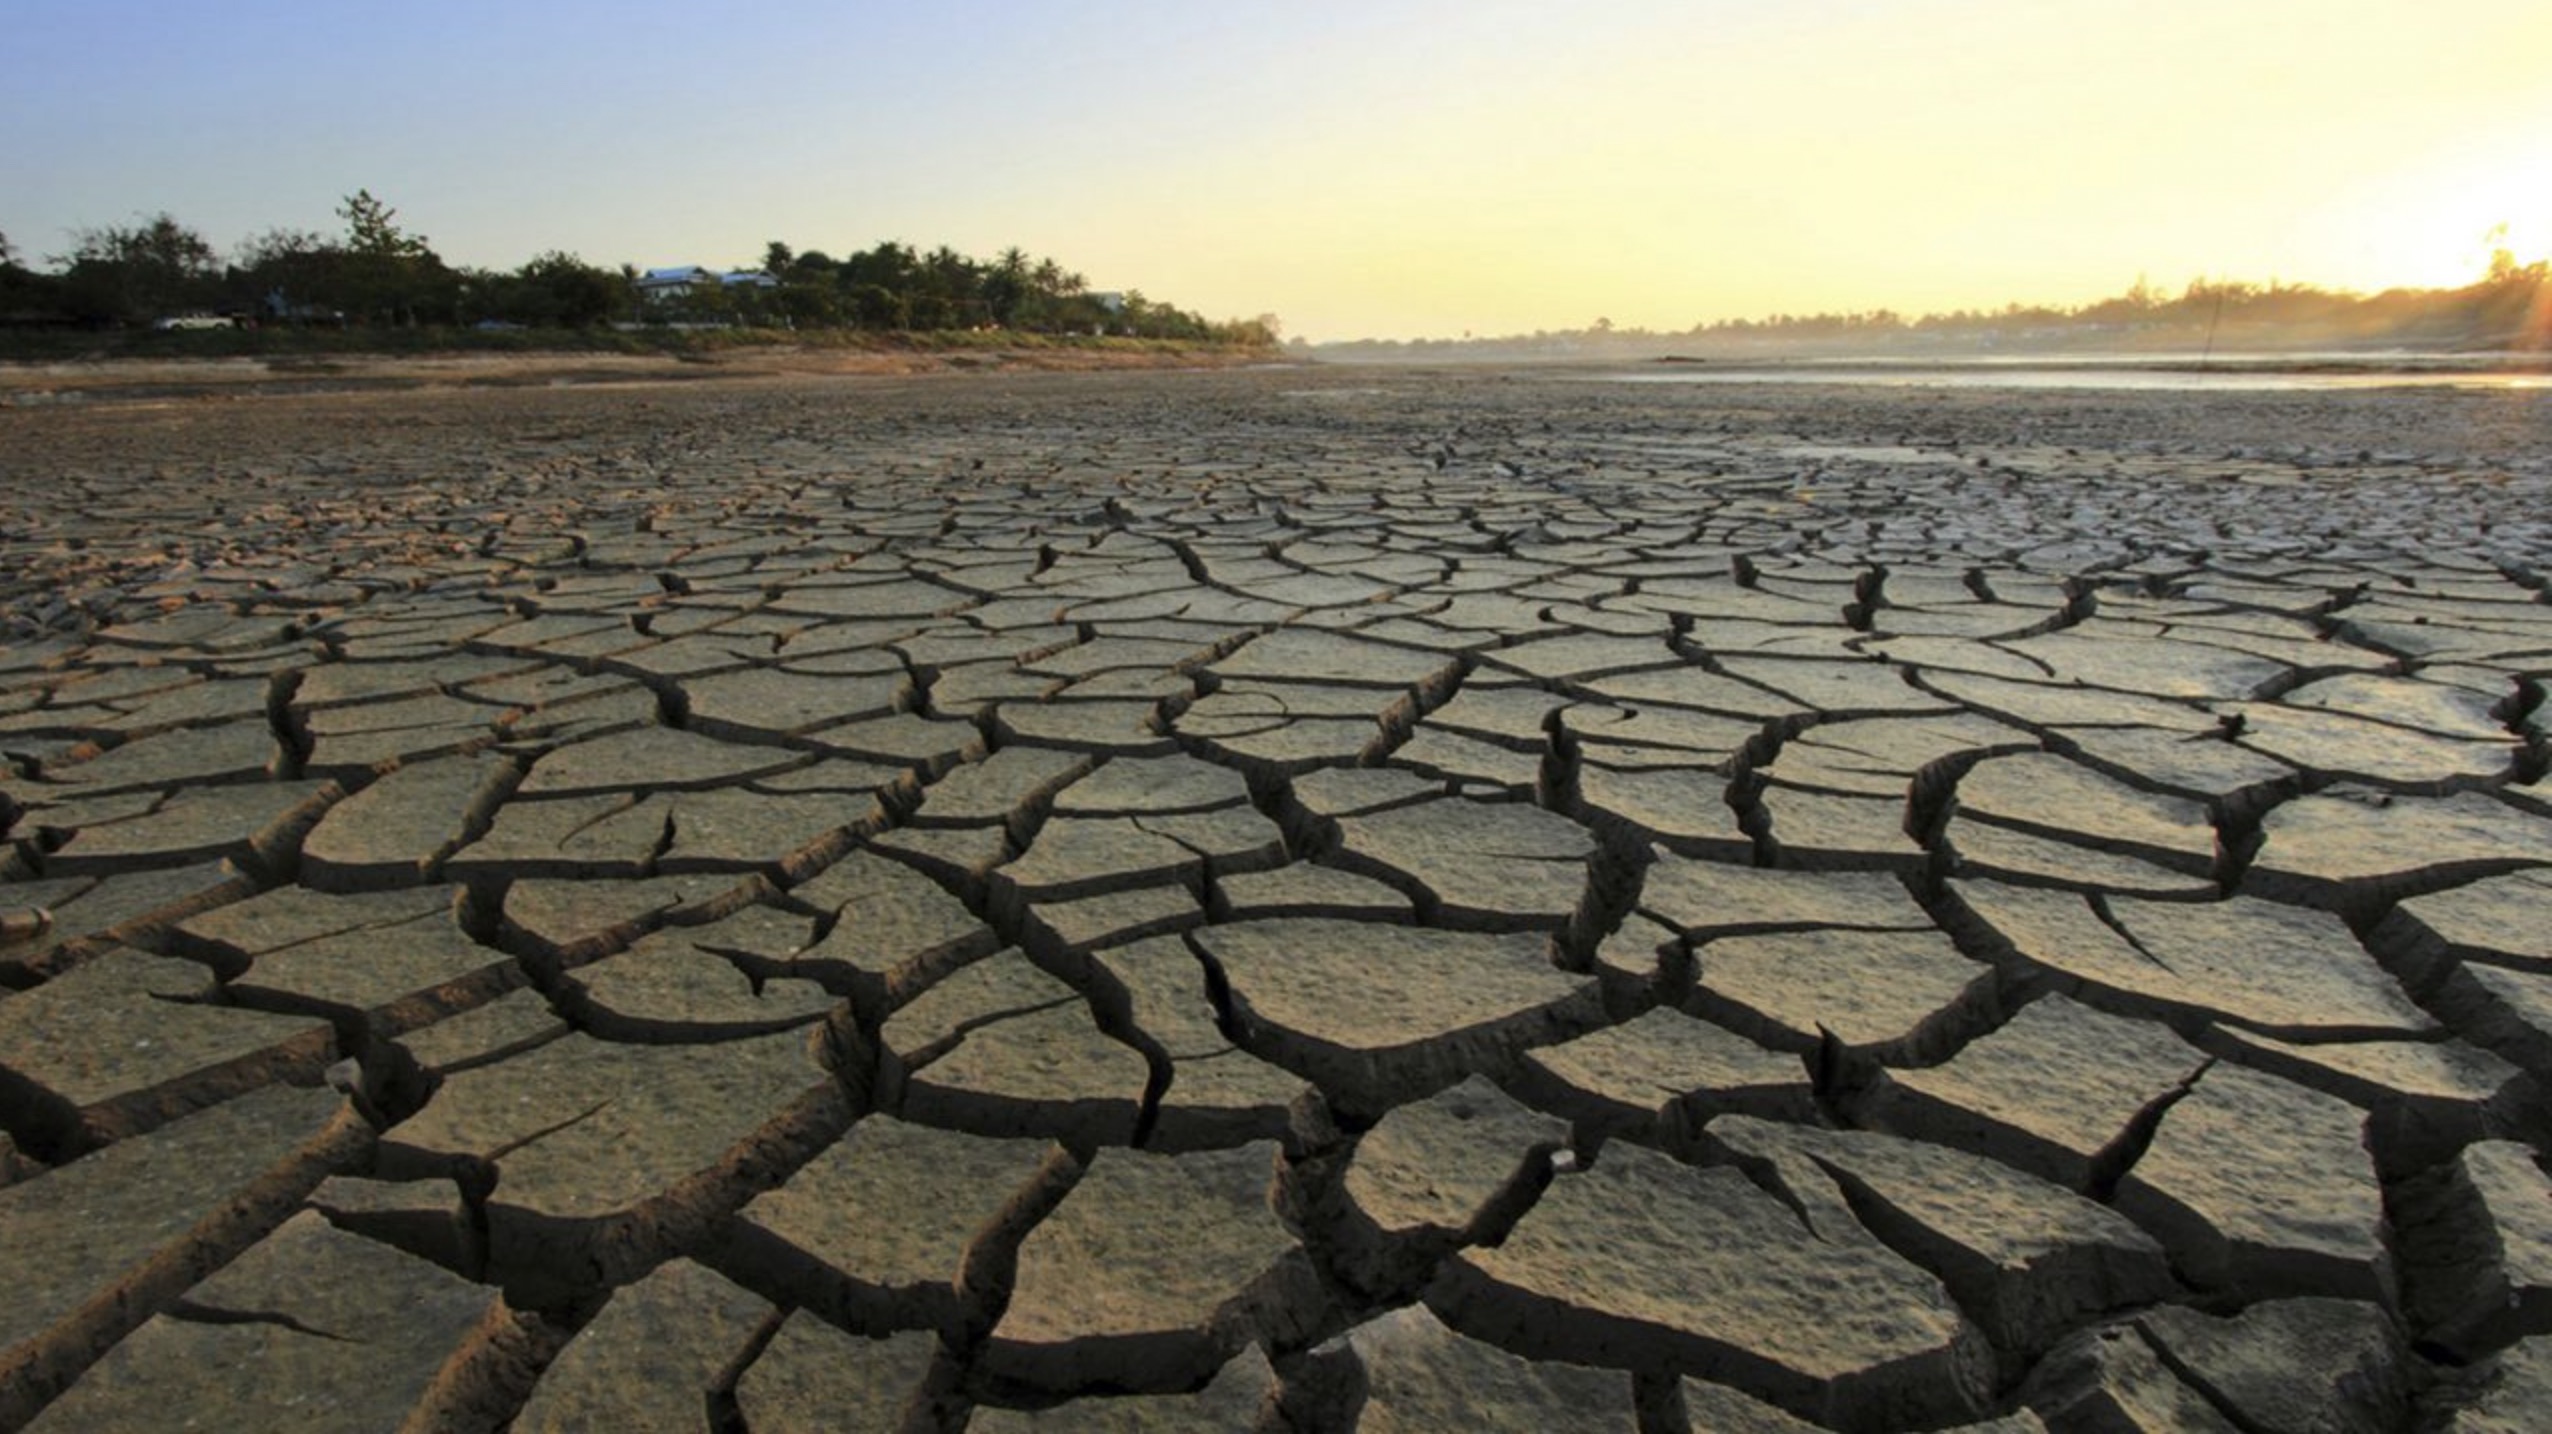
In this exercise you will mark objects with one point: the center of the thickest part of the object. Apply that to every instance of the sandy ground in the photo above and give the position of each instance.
(92, 380)
(1282, 899)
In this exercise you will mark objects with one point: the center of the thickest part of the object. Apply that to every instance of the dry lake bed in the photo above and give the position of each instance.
(1289, 900)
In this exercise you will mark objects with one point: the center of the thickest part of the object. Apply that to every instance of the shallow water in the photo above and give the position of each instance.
(2183, 376)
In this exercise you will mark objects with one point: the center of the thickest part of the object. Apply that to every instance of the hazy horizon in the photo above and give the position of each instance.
(1389, 170)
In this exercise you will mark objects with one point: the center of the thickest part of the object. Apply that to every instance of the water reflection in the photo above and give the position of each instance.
(2166, 376)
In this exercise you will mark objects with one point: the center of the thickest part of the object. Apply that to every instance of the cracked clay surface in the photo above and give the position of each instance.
(1297, 900)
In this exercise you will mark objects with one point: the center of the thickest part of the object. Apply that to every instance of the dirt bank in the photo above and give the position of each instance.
(99, 379)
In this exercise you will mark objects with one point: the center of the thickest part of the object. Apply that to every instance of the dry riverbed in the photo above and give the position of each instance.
(592, 896)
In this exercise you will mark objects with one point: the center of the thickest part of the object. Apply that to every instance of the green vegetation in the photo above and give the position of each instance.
(379, 284)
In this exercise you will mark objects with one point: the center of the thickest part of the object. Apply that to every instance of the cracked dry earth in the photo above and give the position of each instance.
(1277, 901)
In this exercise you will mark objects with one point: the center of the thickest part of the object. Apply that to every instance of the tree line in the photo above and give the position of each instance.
(378, 272)
(2507, 309)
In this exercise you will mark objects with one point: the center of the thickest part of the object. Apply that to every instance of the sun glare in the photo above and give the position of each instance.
(2437, 224)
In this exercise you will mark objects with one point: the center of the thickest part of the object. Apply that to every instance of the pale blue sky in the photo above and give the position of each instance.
(1385, 167)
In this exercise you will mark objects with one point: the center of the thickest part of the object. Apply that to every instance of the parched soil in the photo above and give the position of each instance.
(593, 893)
(130, 378)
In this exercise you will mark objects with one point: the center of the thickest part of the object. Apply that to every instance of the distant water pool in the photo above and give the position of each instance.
(2089, 376)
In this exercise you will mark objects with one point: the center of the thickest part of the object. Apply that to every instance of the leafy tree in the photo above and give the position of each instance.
(281, 246)
(560, 290)
(25, 295)
(121, 275)
(2504, 267)
(289, 274)
(807, 298)
(1007, 285)
(372, 228)
(1266, 330)
(874, 306)
(377, 270)
(928, 312)
(390, 274)
(950, 294)
(890, 266)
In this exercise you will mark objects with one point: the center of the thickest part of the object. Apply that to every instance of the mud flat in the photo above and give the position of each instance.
(1287, 900)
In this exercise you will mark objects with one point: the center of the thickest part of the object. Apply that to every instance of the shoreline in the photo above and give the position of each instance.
(125, 379)
(30, 383)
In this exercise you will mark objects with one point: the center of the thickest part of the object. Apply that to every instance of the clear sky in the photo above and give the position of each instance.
(1358, 167)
